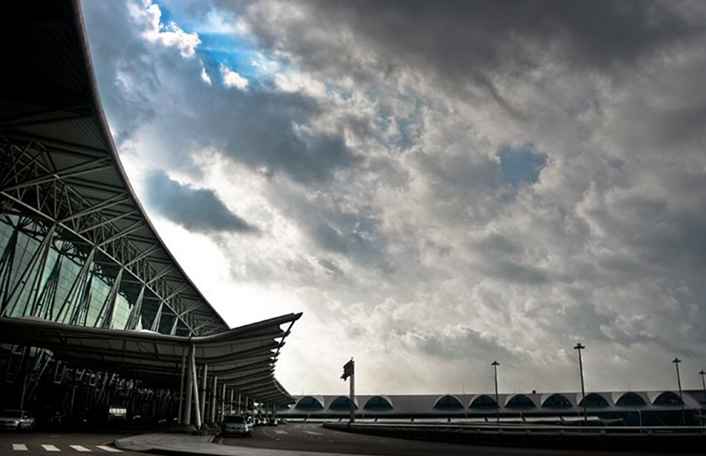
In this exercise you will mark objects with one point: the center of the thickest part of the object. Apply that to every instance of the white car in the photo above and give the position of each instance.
(236, 424)
(16, 420)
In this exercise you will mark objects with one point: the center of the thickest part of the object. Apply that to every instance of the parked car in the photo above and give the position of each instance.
(236, 424)
(17, 420)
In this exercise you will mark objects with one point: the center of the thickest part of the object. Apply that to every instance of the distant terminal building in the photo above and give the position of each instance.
(97, 319)
(632, 407)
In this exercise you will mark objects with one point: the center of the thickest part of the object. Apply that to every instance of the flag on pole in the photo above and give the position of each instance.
(348, 369)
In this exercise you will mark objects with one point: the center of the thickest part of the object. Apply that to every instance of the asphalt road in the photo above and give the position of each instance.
(313, 437)
(47, 444)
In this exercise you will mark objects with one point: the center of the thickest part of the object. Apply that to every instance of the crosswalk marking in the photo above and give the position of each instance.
(279, 431)
(48, 447)
(19, 447)
(109, 449)
(80, 448)
(313, 433)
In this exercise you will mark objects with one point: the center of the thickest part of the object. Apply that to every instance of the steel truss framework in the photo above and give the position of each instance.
(60, 174)
(105, 235)
(70, 214)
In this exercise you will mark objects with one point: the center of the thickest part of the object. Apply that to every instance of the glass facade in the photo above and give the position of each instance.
(56, 294)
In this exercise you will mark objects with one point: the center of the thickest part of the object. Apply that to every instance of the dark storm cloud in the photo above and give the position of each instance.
(462, 344)
(466, 40)
(260, 130)
(196, 209)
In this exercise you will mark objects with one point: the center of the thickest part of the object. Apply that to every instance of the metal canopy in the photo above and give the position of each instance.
(59, 164)
(243, 358)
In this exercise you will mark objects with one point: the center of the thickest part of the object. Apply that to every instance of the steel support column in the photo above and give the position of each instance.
(180, 418)
(195, 388)
(204, 388)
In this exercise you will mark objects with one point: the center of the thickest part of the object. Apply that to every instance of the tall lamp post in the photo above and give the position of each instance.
(703, 386)
(676, 362)
(578, 347)
(495, 365)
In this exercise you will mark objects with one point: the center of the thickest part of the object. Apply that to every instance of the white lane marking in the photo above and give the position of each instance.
(312, 433)
(19, 447)
(80, 448)
(50, 447)
(279, 431)
(109, 449)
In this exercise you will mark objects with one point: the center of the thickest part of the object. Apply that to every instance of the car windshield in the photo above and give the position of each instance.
(10, 413)
(233, 419)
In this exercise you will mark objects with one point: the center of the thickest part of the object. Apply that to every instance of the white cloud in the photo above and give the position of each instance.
(233, 79)
(149, 15)
(300, 82)
(205, 77)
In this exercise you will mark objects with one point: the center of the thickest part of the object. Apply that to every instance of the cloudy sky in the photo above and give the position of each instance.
(436, 185)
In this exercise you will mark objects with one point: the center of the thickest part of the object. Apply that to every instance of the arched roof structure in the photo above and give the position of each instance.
(668, 398)
(448, 402)
(557, 401)
(520, 401)
(310, 403)
(594, 400)
(342, 403)
(483, 401)
(630, 399)
(378, 403)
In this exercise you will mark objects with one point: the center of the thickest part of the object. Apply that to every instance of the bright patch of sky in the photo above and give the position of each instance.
(521, 164)
(224, 42)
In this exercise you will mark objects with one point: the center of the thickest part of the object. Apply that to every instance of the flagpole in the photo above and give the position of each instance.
(352, 398)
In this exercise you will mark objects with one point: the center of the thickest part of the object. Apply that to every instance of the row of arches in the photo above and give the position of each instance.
(343, 403)
(485, 401)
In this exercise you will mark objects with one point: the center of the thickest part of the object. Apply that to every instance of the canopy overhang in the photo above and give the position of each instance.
(242, 358)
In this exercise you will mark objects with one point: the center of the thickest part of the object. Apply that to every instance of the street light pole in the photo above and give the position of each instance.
(495, 365)
(579, 346)
(703, 385)
(676, 362)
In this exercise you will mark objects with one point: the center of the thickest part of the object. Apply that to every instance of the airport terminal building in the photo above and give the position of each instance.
(95, 313)
(631, 407)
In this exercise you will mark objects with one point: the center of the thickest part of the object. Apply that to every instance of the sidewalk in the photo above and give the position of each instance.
(185, 444)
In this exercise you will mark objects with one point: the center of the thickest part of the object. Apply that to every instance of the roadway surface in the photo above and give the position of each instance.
(47, 444)
(313, 437)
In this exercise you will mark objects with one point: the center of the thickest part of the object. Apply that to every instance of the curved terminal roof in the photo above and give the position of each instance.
(59, 167)
(52, 123)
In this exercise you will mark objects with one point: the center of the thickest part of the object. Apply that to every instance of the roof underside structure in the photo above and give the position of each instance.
(62, 187)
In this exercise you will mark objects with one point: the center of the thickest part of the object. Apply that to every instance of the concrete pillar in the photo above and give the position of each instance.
(204, 387)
